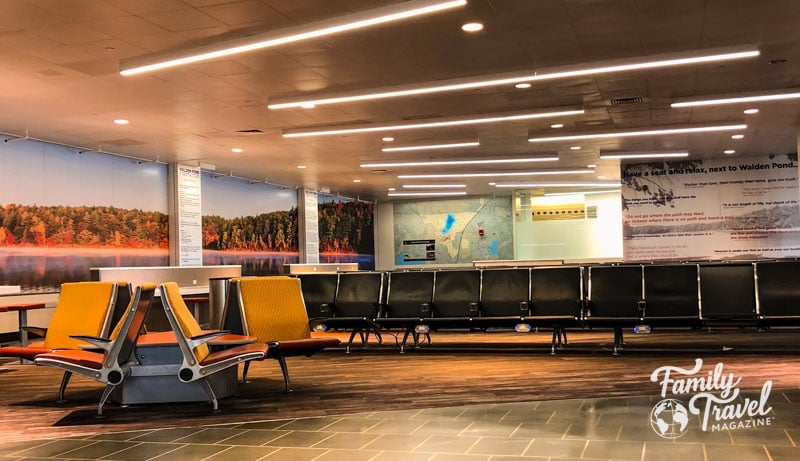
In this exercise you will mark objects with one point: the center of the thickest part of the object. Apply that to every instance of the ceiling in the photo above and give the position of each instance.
(60, 82)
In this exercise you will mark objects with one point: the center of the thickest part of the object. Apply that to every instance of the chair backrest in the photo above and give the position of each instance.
(318, 289)
(83, 308)
(272, 308)
(503, 290)
(556, 291)
(407, 291)
(727, 291)
(130, 326)
(454, 290)
(615, 291)
(672, 291)
(778, 288)
(359, 294)
(121, 302)
(181, 319)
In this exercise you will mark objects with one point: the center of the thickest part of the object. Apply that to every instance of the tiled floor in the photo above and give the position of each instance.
(593, 429)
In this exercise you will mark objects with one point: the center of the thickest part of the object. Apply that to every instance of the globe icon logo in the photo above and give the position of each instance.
(669, 419)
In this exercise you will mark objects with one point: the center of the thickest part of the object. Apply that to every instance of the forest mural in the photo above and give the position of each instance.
(62, 213)
(346, 231)
(249, 224)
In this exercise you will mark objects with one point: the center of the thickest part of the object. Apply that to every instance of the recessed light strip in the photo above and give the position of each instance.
(495, 174)
(425, 194)
(317, 29)
(559, 184)
(623, 155)
(460, 162)
(431, 147)
(624, 134)
(791, 93)
(582, 192)
(511, 78)
(442, 122)
(434, 186)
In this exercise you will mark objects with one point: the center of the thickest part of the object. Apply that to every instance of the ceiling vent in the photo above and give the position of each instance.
(625, 101)
(249, 132)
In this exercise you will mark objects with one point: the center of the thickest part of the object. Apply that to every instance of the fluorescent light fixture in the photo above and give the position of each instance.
(431, 147)
(583, 192)
(429, 123)
(558, 184)
(751, 111)
(512, 78)
(557, 125)
(121, 121)
(434, 186)
(792, 93)
(496, 161)
(356, 180)
(575, 148)
(624, 155)
(496, 174)
(729, 151)
(522, 86)
(625, 134)
(387, 139)
(737, 136)
(309, 31)
(301, 167)
(237, 150)
(426, 194)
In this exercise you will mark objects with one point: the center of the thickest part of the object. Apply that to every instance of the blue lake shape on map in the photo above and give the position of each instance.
(449, 222)
(494, 247)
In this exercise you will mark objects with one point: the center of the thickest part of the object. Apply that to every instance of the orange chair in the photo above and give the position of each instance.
(109, 361)
(83, 308)
(272, 310)
(198, 361)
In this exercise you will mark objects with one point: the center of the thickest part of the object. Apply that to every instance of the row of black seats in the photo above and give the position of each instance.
(560, 297)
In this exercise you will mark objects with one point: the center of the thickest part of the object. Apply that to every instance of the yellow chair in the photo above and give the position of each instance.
(272, 310)
(109, 360)
(83, 308)
(198, 361)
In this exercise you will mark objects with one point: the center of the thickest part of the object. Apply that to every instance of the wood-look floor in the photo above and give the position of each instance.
(456, 369)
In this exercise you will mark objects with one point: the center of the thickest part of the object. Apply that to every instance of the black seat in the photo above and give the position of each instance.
(728, 293)
(778, 293)
(671, 294)
(319, 293)
(505, 298)
(556, 300)
(357, 305)
(456, 298)
(409, 299)
(615, 299)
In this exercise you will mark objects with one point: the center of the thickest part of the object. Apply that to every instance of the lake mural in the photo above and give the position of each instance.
(62, 212)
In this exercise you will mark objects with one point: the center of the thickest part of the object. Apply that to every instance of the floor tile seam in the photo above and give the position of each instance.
(135, 444)
(165, 453)
(786, 431)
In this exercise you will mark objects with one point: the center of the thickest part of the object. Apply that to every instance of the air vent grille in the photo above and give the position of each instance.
(624, 101)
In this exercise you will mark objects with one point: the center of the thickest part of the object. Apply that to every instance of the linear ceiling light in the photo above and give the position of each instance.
(792, 93)
(312, 30)
(496, 174)
(460, 162)
(434, 186)
(511, 78)
(441, 122)
(625, 134)
(420, 194)
(432, 147)
(582, 192)
(558, 184)
(624, 155)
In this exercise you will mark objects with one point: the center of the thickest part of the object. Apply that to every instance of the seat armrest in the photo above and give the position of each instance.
(206, 337)
(474, 308)
(97, 343)
(642, 305)
(380, 308)
(524, 306)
